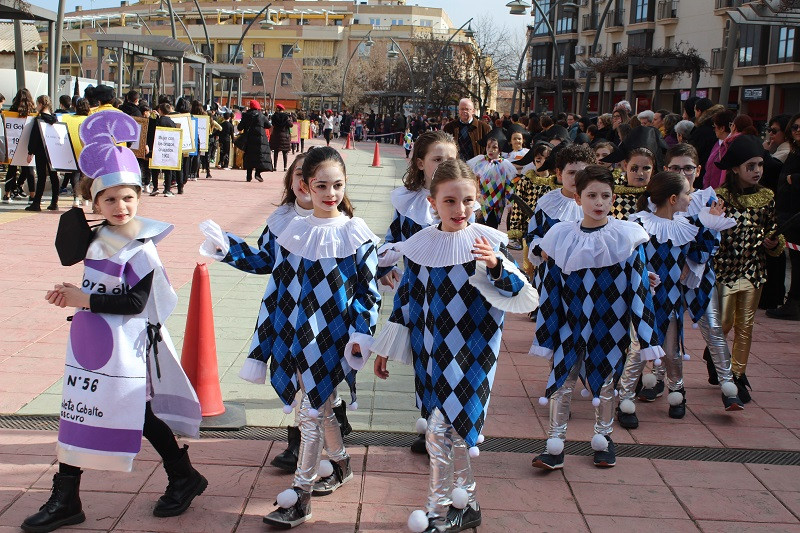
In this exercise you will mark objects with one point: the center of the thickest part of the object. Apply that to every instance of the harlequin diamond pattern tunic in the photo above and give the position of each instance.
(450, 328)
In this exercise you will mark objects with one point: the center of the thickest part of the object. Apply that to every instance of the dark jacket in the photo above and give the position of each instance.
(281, 137)
(703, 139)
(162, 121)
(36, 143)
(226, 132)
(257, 155)
(477, 131)
(787, 199)
(130, 109)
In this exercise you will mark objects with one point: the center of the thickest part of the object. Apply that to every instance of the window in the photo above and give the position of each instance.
(88, 50)
(669, 42)
(232, 52)
(642, 40)
(88, 73)
(616, 48)
(287, 50)
(539, 56)
(753, 44)
(397, 22)
(375, 22)
(641, 11)
(258, 50)
(566, 24)
(538, 21)
(363, 50)
(258, 79)
(153, 74)
(786, 45)
(337, 22)
(426, 23)
(286, 79)
(206, 51)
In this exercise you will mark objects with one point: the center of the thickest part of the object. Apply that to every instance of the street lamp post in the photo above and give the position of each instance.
(284, 55)
(408, 64)
(368, 42)
(436, 64)
(253, 65)
(239, 46)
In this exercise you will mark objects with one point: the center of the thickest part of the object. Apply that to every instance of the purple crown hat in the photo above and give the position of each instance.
(107, 164)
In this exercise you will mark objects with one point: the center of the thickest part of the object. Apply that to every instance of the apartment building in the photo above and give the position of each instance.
(766, 76)
(293, 52)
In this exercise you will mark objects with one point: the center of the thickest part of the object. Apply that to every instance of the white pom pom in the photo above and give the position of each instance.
(695, 325)
(675, 398)
(657, 362)
(616, 393)
(729, 389)
(474, 452)
(627, 407)
(325, 468)
(418, 521)
(313, 413)
(543, 400)
(686, 357)
(353, 406)
(481, 438)
(596, 402)
(599, 443)
(584, 393)
(649, 381)
(421, 426)
(287, 409)
(460, 498)
(287, 498)
(554, 446)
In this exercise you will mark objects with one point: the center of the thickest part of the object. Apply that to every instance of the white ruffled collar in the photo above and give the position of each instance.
(557, 206)
(678, 231)
(283, 215)
(413, 205)
(573, 249)
(316, 238)
(433, 248)
(107, 242)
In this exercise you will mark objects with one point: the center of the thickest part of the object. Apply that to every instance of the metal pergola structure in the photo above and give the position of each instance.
(18, 11)
(306, 97)
(224, 71)
(394, 96)
(161, 48)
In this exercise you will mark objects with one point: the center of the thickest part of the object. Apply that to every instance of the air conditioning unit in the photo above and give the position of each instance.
(580, 49)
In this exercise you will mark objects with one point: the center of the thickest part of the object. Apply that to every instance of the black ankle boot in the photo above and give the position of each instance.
(62, 509)
(342, 473)
(341, 415)
(743, 385)
(287, 459)
(184, 484)
(713, 379)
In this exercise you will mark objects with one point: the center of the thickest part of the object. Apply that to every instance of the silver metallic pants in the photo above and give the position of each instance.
(560, 404)
(449, 459)
(299, 398)
(672, 360)
(711, 328)
(316, 433)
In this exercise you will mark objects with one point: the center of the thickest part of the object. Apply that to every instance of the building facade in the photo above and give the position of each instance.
(766, 75)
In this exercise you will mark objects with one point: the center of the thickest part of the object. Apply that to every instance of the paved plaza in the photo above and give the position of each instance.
(686, 475)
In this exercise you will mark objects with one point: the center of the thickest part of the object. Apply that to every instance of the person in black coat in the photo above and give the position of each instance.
(131, 104)
(281, 138)
(44, 106)
(225, 136)
(254, 126)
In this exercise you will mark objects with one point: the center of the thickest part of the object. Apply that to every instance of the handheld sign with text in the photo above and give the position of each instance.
(138, 146)
(203, 130)
(58, 146)
(13, 124)
(184, 122)
(167, 153)
(20, 156)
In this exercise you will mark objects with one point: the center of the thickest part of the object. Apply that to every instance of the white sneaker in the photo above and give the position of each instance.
(8, 200)
(77, 203)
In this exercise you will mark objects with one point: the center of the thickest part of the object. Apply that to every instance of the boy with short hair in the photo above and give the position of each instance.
(595, 288)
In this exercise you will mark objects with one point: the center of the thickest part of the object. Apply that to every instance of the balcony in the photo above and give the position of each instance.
(667, 12)
(590, 21)
(721, 6)
(227, 58)
(718, 58)
(615, 20)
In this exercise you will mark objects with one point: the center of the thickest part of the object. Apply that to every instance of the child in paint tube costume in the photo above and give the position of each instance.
(123, 379)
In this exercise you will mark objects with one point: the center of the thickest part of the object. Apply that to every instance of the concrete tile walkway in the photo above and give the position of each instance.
(389, 482)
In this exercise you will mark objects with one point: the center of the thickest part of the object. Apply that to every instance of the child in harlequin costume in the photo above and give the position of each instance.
(413, 212)
(532, 184)
(447, 321)
(595, 290)
(702, 300)
(120, 359)
(741, 259)
(496, 177)
(234, 251)
(519, 137)
(558, 205)
(602, 150)
(674, 240)
(408, 143)
(638, 156)
(322, 305)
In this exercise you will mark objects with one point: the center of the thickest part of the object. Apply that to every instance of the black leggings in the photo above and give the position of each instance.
(43, 171)
(16, 176)
(327, 134)
(275, 158)
(155, 430)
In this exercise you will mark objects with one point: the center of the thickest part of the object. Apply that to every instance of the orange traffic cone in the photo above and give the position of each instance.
(349, 145)
(376, 158)
(199, 355)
